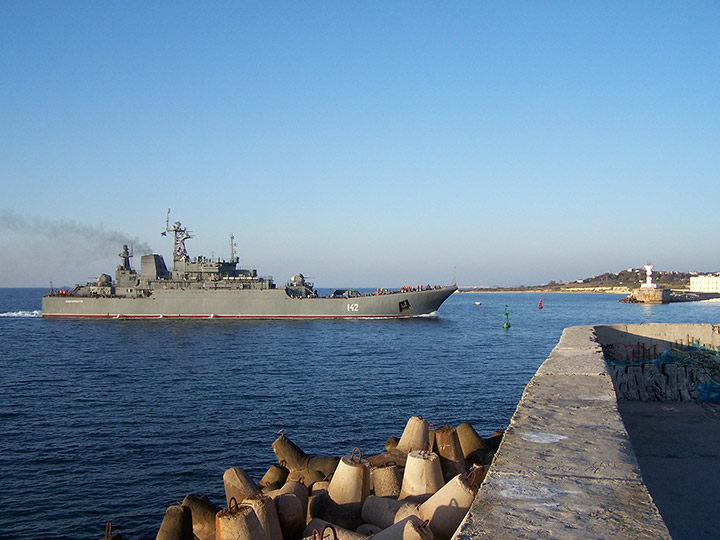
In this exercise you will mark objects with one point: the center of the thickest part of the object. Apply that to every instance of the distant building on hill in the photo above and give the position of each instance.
(705, 283)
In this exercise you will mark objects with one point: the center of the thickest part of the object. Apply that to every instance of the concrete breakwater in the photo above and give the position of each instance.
(666, 296)
(419, 488)
(566, 467)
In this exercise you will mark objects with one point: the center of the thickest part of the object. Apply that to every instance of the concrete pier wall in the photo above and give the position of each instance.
(663, 362)
(566, 467)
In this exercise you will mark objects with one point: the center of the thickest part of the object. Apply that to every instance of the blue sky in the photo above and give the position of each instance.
(363, 144)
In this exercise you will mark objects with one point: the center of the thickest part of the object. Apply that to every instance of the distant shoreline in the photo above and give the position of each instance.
(574, 290)
(604, 290)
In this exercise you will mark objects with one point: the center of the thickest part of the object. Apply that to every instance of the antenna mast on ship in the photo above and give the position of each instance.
(180, 234)
(233, 247)
(126, 255)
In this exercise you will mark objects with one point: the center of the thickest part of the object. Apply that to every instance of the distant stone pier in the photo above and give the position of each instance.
(649, 296)
(665, 296)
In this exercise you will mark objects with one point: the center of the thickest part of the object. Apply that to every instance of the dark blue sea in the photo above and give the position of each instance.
(114, 420)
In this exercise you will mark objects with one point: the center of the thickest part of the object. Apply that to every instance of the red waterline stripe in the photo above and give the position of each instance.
(89, 316)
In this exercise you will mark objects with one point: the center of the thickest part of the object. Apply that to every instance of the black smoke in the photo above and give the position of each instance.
(70, 234)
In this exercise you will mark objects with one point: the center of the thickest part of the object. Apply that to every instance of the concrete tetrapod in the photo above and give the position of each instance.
(266, 513)
(238, 522)
(319, 487)
(422, 476)
(274, 478)
(410, 528)
(415, 436)
(386, 481)
(341, 533)
(306, 477)
(289, 453)
(391, 443)
(203, 514)
(290, 514)
(470, 441)
(452, 460)
(323, 464)
(350, 484)
(301, 465)
(406, 511)
(297, 489)
(323, 507)
(344, 500)
(317, 506)
(176, 524)
(448, 506)
(382, 511)
(318, 499)
(238, 484)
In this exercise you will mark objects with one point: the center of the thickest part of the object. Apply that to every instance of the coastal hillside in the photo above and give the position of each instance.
(616, 282)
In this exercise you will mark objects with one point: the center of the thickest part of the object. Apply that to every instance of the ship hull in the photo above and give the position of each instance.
(247, 304)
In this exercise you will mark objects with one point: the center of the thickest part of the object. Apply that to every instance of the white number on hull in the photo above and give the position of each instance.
(352, 307)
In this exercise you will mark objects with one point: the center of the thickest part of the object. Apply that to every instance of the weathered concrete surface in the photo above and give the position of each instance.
(566, 468)
(678, 448)
(663, 362)
(659, 335)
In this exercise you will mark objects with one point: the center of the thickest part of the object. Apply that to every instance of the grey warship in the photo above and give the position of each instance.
(203, 288)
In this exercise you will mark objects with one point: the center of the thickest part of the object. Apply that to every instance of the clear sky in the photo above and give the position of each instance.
(361, 143)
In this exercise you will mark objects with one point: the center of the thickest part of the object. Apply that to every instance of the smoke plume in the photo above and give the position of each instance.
(70, 234)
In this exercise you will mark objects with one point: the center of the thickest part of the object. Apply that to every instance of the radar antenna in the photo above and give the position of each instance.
(180, 234)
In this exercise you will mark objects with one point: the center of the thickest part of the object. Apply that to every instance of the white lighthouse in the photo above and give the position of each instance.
(648, 278)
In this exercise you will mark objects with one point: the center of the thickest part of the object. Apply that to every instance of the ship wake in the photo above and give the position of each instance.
(22, 314)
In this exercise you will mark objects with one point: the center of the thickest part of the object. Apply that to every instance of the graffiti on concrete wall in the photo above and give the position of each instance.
(671, 372)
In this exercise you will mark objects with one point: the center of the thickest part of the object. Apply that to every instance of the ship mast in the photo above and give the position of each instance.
(233, 247)
(125, 256)
(180, 234)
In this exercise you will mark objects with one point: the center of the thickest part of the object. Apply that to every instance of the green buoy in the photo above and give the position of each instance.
(506, 322)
